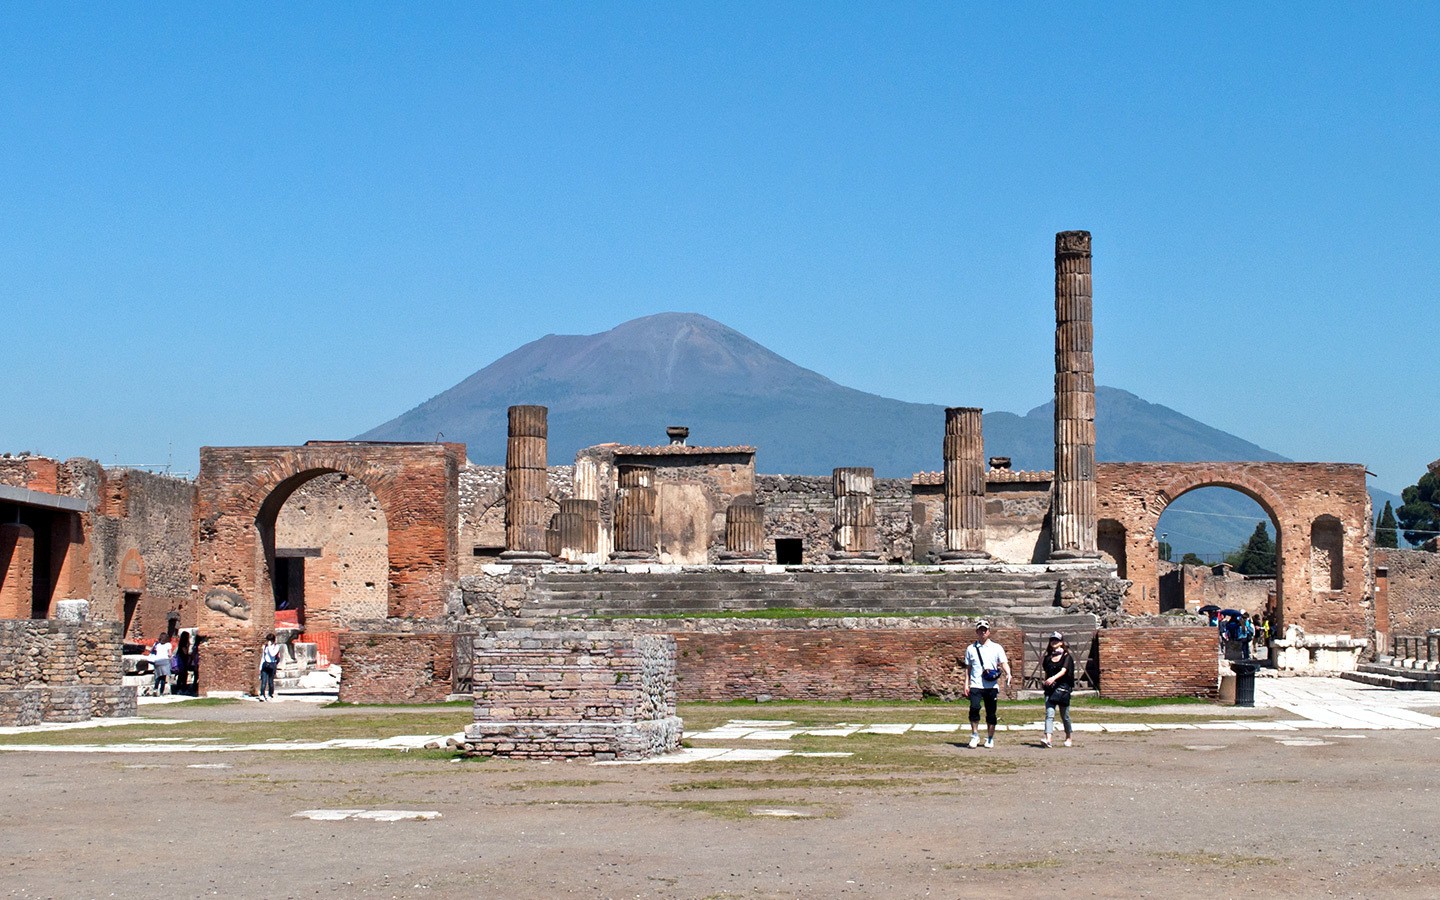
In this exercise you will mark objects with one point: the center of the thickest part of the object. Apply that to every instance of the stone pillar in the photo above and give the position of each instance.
(1072, 509)
(964, 454)
(744, 532)
(17, 555)
(525, 516)
(578, 525)
(854, 526)
(635, 514)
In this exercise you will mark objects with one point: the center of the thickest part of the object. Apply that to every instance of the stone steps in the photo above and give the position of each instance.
(1394, 682)
(628, 593)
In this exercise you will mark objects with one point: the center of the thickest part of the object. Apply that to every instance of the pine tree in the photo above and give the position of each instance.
(1258, 555)
(1385, 533)
(1420, 515)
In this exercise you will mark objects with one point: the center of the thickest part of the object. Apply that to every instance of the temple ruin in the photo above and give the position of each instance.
(413, 568)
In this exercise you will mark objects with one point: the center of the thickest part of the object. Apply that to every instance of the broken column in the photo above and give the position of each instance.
(1072, 510)
(635, 514)
(525, 515)
(744, 532)
(854, 525)
(964, 454)
(578, 526)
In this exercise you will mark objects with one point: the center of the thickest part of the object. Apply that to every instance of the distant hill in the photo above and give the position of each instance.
(628, 383)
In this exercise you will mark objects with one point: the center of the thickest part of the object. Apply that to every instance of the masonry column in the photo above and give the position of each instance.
(525, 516)
(744, 532)
(1072, 511)
(964, 454)
(635, 514)
(578, 523)
(854, 526)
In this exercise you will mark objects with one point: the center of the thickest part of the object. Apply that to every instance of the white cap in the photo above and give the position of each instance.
(1056, 636)
(982, 624)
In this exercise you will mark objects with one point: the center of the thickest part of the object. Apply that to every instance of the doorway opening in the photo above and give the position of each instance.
(789, 551)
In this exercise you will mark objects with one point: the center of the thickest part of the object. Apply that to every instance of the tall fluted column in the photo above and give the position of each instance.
(578, 526)
(744, 531)
(1072, 511)
(964, 454)
(526, 518)
(854, 526)
(635, 514)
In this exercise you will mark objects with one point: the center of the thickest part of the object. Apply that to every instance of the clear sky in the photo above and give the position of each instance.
(227, 223)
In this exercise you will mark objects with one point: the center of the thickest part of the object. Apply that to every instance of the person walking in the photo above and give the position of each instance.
(160, 664)
(269, 663)
(985, 665)
(180, 665)
(1059, 684)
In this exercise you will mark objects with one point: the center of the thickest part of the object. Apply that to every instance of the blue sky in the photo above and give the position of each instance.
(231, 224)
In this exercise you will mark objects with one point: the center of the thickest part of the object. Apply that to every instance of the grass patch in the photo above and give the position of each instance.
(741, 809)
(201, 701)
(345, 704)
(788, 612)
(811, 783)
(336, 724)
(1016, 865)
(1228, 860)
(557, 783)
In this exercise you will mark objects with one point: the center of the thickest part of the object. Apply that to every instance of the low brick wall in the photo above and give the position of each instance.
(54, 671)
(601, 695)
(820, 659)
(228, 661)
(396, 667)
(1159, 662)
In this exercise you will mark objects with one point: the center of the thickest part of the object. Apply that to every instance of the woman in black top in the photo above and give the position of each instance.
(1059, 682)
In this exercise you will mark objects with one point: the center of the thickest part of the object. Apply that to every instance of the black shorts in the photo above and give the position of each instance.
(987, 696)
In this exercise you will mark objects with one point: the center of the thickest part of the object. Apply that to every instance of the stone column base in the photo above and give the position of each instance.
(867, 558)
(571, 740)
(726, 558)
(632, 556)
(520, 557)
(965, 558)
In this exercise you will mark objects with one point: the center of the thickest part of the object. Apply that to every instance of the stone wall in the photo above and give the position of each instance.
(340, 519)
(803, 507)
(143, 543)
(826, 658)
(61, 672)
(396, 668)
(1159, 662)
(1414, 591)
(482, 510)
(602, 695)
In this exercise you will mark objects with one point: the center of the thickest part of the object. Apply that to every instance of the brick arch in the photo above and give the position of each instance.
(132, 572)
(1293, 495)
(241, 489)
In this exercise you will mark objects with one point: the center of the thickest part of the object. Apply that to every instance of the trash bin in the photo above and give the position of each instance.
(1244, 682)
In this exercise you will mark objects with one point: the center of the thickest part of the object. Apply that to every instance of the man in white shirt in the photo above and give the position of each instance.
(985, 663)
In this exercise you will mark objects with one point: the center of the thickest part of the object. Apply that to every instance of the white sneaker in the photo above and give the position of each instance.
(989, 743)
(1045, 741)
(974, 741)
(1067, 743)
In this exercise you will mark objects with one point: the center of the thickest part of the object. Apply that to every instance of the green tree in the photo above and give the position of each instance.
(1190, 559)
(1257, 557)
(1420, 514)
(1385, 534)
(1166, 550)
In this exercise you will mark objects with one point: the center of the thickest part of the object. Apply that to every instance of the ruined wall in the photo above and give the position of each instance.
(1414, 591)
(61, 672)
(1295, 495)
(1017, 505)
(482, 510)
(558, 695)
(143, 543)
(342, 519)
(396, 668)
(1179, 661)
(828, 659)
(803, 506)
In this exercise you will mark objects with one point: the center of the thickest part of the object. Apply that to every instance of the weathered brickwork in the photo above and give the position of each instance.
(60, 672)
(830, 659)
(339, 519)
(242, 490)
(1159, 662)
(142, 540)
(803, 507)
(396, 668)
(603, 695)
(1413, 591)
(1297, 496)
(482, 510)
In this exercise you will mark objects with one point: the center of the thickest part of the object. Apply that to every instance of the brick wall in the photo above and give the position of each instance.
(825, 660)
(1413, 605)
(803, 506)
(396, 668)
(1158, 662)
(605, 695)
(60, 672)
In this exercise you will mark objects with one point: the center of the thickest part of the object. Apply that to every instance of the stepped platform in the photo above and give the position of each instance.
(872, 590)
(1393, 673)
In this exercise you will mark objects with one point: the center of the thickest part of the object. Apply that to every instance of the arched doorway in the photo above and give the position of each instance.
(1199, 535)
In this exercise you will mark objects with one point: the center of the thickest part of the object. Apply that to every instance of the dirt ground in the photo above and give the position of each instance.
(1173, 813)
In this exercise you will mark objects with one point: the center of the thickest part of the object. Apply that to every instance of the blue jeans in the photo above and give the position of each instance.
(1050, 716)
(267, 681)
